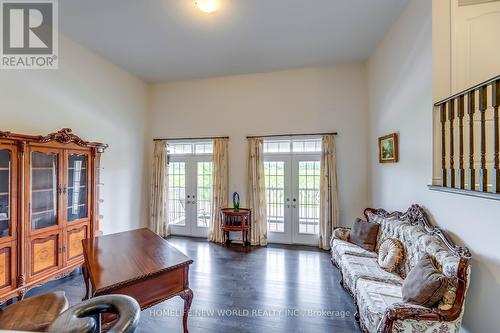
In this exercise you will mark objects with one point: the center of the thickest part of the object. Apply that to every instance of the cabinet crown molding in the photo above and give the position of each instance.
(64, 136)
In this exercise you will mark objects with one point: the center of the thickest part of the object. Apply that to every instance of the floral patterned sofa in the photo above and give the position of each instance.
(377, 293)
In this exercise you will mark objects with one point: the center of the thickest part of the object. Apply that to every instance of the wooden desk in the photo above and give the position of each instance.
(137, 263)
(236, 220)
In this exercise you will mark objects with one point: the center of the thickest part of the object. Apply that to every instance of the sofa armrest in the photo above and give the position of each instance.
(404, 311)
(341, 233)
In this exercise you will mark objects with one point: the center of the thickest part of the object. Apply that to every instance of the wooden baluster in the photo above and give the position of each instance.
(483, 172)
(461, 173)
(496, 141)
(471, 108)
(451, 118)
(443, 145)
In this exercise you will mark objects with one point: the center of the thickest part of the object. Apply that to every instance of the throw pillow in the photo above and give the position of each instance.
(425, 285)
(390, 254)
(364, 234)
(341, 233)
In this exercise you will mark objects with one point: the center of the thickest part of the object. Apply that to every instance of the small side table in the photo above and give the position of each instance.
(236, 220)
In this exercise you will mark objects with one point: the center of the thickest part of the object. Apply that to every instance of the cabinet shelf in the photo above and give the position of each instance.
(4, 169)
(43, 212)
(43, 168)
(72, 187)
(77, 168)
(43, 190)
(80, 205)
(4, 193)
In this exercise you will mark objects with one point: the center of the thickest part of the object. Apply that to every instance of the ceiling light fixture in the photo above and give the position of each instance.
(208, 6)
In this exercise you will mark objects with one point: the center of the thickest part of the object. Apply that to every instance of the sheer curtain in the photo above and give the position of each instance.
(329, 206)
(257, 191)
(158, 219)
(220, 181)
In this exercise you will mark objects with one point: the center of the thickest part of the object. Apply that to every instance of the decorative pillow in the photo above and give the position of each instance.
(364, 234)
(341, 233)
(446, 303)
(425, 285)
(390, 254)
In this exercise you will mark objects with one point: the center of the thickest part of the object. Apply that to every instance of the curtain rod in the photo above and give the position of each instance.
(198, 138)
(283, 135)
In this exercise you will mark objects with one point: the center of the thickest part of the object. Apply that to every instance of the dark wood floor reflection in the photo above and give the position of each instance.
(273, 289)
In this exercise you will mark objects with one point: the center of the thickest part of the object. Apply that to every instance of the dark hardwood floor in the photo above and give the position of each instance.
(273, 289)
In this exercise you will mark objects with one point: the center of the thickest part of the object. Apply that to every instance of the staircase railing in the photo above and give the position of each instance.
(458, 115)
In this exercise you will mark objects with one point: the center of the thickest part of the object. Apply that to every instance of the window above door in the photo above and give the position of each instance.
(198, 147)
(292, 145)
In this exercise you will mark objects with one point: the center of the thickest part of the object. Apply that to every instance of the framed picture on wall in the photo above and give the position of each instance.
(388, 148)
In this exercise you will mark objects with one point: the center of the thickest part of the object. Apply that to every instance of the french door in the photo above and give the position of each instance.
(292, 191)
(189, 195)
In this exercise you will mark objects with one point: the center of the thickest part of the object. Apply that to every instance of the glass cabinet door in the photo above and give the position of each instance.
(76, 187)
(5, 191)
(44, 189)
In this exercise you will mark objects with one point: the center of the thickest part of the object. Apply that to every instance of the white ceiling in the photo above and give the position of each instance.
(162, 40)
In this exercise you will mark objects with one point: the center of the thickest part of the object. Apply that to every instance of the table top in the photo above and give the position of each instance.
(128, 256)
(231, 211)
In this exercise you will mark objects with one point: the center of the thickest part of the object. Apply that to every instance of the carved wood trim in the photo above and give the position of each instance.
(417, 216)
(64, 136)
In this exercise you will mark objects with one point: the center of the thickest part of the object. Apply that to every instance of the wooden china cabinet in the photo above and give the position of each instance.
(49, 202)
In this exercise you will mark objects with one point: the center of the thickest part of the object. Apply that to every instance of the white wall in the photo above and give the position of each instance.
(295, 101)
(400, 99)
(100, 102)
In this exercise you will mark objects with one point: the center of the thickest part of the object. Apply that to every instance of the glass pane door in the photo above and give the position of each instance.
(176, 213)
(44, 175)
(292, 194)
(5, 190)
(204, 194)
(77, 187)
(306, 199)
(190, 195)
(278, 200)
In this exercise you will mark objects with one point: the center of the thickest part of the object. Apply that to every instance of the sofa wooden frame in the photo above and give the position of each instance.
(417, 216)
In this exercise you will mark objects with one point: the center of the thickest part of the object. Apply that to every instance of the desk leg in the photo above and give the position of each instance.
(86, 278)
(187, 296)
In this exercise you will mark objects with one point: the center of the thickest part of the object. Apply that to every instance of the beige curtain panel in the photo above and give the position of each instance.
(220, 184)
(329, 205)
(257, 191)
(158, 220)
